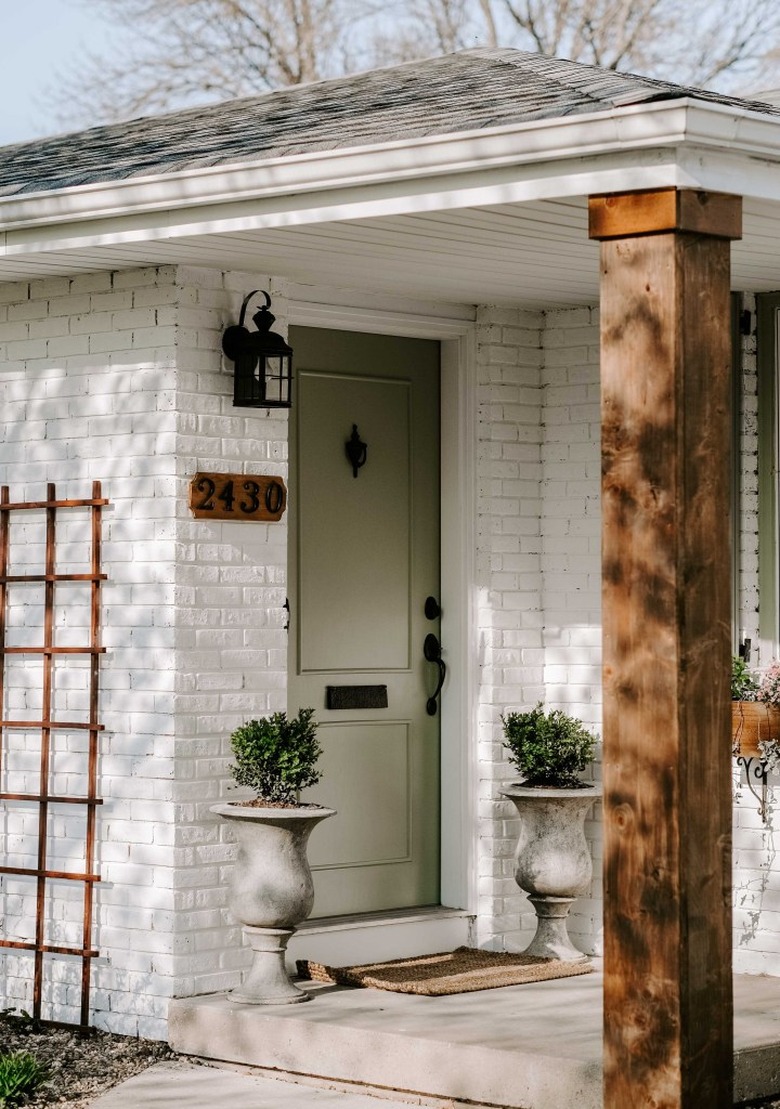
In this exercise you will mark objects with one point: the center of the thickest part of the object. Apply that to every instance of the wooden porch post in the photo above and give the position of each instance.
(665, 371)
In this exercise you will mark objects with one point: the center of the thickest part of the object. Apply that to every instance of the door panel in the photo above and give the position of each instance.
(354, 757)
(364, 555)
(347, 520)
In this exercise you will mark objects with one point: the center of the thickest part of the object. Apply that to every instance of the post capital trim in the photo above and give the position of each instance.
(659, 211)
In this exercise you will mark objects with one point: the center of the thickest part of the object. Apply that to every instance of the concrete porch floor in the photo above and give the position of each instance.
(536, 1046)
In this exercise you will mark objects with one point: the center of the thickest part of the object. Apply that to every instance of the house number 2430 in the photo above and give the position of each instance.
(237, 497)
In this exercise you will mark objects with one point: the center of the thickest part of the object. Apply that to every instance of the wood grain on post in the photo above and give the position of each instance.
(665, 366)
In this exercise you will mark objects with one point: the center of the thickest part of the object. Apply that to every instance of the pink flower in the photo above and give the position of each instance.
(769, 686)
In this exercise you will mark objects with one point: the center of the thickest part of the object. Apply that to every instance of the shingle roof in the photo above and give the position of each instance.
(470, 90)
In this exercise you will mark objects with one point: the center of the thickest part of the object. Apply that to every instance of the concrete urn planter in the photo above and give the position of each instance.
(552, 860)
(271, 891)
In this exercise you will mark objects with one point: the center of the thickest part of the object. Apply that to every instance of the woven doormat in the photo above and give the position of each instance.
(461, 971)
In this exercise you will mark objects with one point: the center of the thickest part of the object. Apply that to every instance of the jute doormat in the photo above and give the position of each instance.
(460, 971)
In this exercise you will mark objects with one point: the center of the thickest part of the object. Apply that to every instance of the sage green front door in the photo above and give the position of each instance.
(364, 557)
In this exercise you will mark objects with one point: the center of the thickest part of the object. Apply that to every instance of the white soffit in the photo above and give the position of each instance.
(537, 255)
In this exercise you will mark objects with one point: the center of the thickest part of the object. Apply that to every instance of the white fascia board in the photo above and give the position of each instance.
(754, 178)
(613, 173)
(407, 160)
(640, 146)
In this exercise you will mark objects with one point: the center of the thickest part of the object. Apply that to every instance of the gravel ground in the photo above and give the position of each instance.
(81, 1066)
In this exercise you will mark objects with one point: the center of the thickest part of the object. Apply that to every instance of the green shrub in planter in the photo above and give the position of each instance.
(744, 686)
(276, 757)
(549, 749)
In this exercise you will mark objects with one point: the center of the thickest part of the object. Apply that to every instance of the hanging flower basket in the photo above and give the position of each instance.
(753, 722)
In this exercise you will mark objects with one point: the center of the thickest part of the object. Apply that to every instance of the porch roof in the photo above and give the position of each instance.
(468, 91)
(460, 179)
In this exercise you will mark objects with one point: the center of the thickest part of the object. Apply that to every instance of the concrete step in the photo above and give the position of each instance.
(369, 937)
(536, 1046)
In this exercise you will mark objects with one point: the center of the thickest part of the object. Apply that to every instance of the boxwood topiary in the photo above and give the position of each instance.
(276, 757)
(549, 749)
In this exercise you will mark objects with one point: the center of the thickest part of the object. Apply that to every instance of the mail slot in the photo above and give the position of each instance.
(356, 697)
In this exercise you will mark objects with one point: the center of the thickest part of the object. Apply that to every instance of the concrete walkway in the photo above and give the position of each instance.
(181, 1085)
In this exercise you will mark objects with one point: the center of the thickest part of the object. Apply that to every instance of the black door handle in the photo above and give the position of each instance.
(432, 652)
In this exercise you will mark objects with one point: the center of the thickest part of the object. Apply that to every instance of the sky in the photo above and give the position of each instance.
(38, 38)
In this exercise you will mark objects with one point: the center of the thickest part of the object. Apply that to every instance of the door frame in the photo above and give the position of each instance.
(768, 353)
(459, 777)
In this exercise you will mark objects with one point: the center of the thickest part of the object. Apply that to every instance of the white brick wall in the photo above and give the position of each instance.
(568, 606)
(540, 571)
(509, 589)
(119, 377)
(571, 552)
(756, 870)
(230, 638)
(748, 491)
(87, 376)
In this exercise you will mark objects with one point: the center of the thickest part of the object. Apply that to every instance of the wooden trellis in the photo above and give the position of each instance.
(49, 652)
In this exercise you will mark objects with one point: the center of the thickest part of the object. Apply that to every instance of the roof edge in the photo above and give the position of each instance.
(481, 158)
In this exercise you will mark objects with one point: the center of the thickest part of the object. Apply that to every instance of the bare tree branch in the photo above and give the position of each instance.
(699, 43)
(184, 52)
(491, 31)
(191, 51)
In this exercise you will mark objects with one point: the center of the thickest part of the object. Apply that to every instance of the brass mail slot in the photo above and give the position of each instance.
(356, 697)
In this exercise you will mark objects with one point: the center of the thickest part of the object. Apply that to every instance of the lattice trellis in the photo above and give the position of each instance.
(45, 802)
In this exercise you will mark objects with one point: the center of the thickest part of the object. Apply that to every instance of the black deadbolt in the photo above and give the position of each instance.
(432, 610)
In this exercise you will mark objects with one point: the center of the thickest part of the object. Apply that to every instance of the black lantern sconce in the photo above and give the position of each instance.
(263, 361)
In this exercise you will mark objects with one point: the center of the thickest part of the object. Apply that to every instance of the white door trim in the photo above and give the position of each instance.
(458, 577)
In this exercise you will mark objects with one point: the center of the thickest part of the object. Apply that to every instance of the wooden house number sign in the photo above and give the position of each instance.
(237, 497)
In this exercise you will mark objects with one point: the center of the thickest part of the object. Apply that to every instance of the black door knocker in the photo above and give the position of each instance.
(356, 451)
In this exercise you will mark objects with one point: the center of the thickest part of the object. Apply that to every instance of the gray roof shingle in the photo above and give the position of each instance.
(470, 90)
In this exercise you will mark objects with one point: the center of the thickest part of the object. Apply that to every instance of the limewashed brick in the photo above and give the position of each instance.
(90, 371)
(194, 623)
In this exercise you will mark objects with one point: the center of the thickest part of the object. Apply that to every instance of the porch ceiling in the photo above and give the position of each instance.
(536, 254)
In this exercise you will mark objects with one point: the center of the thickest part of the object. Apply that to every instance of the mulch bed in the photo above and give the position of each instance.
(82, 1067)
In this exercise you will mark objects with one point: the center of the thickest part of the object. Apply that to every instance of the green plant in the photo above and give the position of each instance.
(549, 749)
(276, 757)
(20, 1075)
(743, 683)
